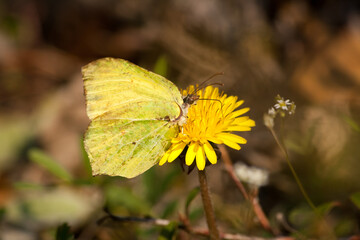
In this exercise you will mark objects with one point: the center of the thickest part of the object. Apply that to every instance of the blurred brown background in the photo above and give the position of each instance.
(307, 51)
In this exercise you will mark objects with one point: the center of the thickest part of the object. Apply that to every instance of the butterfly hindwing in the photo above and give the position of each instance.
(127, 148)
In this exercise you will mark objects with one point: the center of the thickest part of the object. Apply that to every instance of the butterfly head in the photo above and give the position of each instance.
(190, 99)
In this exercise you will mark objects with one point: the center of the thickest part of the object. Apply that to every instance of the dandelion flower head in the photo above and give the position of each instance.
(211, 120)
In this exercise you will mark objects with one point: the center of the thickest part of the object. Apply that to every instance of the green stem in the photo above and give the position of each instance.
(208, 208)
(329, 232)
(306, 196)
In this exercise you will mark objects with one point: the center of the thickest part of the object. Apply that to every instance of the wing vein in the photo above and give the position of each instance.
(155, 143)
(138, 140)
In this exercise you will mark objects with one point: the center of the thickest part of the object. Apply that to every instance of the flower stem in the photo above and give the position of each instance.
(328, 230)
(208, 208)
(303, 191)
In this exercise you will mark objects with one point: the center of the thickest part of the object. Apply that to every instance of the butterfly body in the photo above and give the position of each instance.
(134, 115)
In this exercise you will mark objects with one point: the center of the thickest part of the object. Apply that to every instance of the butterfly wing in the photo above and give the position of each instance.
(125, 147)
(118, 89)
(126, 105)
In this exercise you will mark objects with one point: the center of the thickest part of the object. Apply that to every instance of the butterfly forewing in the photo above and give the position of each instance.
(118, 89)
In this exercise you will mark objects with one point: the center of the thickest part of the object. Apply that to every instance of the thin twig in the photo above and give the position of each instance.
(281, 219)
(260, 213)
(195, 231)
(230, 169)
(254, 200)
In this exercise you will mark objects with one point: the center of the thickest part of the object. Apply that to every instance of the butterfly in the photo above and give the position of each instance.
(134, 115)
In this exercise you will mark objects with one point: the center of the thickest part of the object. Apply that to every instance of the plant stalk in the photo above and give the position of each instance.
(329, 231)
(208, 208)
(304, 193)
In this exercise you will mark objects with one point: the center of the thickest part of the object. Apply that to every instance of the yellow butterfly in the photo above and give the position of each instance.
(134, 115)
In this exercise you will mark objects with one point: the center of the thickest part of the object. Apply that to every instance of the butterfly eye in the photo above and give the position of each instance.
(190, 99)
(194, 98)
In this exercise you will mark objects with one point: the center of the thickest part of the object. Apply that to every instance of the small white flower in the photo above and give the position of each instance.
(282, 104)
(292, 108)
(252, 175)
(281, 107)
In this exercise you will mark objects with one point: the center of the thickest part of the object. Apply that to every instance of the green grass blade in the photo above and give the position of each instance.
(39, 157)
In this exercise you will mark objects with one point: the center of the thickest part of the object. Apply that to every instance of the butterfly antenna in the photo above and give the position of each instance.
(211, 99)
(211, 77)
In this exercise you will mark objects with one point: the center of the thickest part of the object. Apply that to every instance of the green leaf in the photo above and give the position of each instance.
(325, 208)
(168, 232)
(2, 213)
(27, 185)
(354, 125)
(302, 217)
(346, 227)
(151, 179)
(15, 134)
(196, 213)
(161, 66)
(63, 232)
(170, 209)
(45, 161)
(86, 160)
(355, 198)
(191, 196)
(120, 196)
(53, 206)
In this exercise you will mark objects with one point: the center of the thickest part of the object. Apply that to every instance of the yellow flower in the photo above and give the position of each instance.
(212, 119)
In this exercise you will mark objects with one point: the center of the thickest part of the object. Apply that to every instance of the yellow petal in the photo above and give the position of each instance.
(215, 140)
(239, 103)
(250, 123)
(200, 158)
(229, 100)
(232, 144)
(231, 137)
(176, 151)
(238, 128)
(190, 154)
(241, 120)
(214, 93)
(239, 112)
(229, 104)
(210, 153)
(164, 158)
(244, 122)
